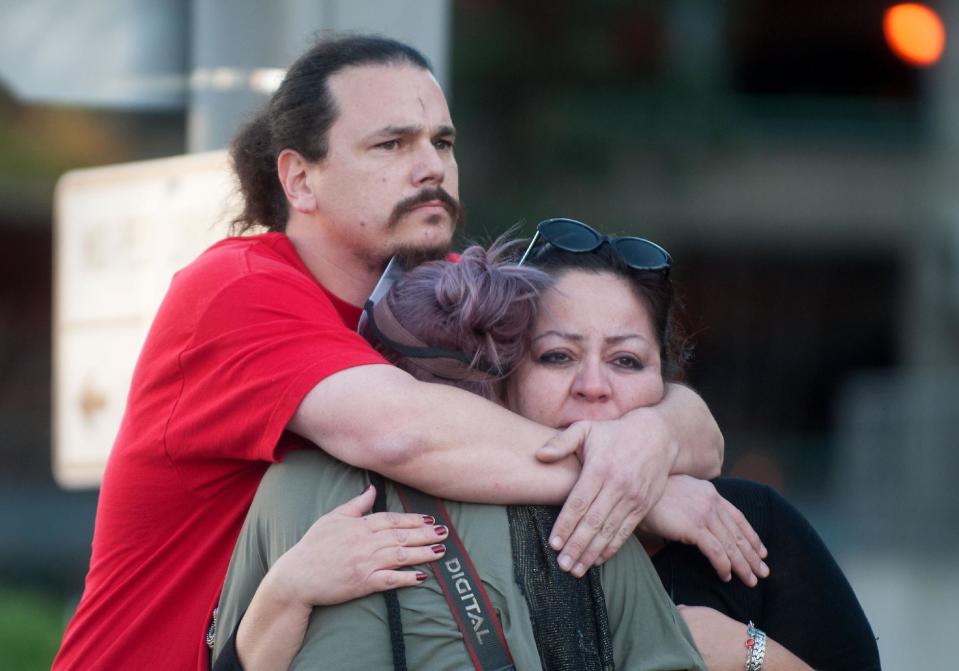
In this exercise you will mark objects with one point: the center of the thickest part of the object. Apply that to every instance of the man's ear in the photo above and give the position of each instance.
(294, 173)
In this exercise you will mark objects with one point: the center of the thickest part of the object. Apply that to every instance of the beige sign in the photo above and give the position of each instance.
(120, 233)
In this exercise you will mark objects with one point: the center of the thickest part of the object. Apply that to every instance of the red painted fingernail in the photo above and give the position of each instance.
(438, 549)
(429, 519)
(420, 576)
(441, 530)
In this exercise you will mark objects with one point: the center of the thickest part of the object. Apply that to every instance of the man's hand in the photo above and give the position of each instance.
(625, 466)
(691, 511)
(623, 476)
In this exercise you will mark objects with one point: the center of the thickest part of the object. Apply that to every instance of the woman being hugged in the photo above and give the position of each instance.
(804, 603)
(601, 344)
(476, 315)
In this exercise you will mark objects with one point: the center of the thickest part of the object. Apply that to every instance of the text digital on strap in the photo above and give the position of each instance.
(464, 591)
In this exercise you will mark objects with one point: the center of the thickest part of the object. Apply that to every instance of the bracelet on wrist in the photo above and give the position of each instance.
(755, 648)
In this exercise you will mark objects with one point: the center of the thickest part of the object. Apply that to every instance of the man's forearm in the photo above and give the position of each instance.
(699, 442)
(442, 440)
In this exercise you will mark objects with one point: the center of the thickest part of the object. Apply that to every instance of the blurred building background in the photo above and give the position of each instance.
(799, 169)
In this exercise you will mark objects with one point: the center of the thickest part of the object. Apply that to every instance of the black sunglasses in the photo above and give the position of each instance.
(575, 236)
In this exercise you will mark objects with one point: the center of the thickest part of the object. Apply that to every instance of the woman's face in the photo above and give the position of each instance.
(593, 354)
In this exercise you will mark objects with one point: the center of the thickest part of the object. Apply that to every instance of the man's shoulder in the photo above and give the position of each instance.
(249, 250)
(237, 270)
(234, 258)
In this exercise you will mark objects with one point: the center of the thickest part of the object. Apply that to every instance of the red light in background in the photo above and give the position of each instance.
(915, 33)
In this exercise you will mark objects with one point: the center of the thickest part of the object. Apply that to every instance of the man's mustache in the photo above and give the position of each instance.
(436, 193)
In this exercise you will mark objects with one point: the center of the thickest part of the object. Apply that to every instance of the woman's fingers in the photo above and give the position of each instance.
(398, 556)
(384, 521)
(390, 579)
(345, 554)
(359, 504)
(424, 535)
(396, 540)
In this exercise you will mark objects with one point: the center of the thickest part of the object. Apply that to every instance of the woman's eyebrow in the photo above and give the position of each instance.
(576, 337)
(626, 336)
(558, 334)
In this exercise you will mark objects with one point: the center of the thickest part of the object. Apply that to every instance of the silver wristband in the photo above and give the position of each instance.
(756, 648)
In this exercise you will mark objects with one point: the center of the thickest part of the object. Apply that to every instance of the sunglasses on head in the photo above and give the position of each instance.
(575, 236)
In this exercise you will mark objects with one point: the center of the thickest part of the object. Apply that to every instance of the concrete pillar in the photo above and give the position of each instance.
(239, 49)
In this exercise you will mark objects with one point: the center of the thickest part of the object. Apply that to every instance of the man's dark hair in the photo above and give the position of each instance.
(299, 117)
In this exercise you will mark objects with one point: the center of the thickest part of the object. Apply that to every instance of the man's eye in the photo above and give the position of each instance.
(443, 145)
(389, 145)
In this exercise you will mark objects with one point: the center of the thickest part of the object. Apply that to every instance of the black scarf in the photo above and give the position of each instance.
(570, 623)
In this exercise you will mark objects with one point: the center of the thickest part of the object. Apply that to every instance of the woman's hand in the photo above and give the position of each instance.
(343, 556)
(346, 554)
(721, 641)
(691, 511)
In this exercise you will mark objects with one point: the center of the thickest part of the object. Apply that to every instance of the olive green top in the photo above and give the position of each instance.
(647, 631)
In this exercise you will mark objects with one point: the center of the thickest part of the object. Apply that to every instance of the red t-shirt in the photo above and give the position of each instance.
(243, 334)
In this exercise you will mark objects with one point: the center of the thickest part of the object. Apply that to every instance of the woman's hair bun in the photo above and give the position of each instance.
(482, 305)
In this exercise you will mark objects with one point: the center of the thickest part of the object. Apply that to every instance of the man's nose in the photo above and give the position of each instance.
(591, 382)
(428, 167)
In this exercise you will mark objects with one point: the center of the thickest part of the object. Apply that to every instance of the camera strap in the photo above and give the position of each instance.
(398, 648)
(461, 584)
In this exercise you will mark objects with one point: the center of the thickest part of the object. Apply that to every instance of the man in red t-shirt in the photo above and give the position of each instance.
(254, 352)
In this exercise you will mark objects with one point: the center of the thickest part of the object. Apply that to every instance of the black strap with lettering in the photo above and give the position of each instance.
(463, 588)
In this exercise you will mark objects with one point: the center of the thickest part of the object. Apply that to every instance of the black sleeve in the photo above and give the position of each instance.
(228, 659)
(806, 604)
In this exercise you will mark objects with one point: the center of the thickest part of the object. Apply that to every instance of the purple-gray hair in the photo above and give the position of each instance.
(483, 306)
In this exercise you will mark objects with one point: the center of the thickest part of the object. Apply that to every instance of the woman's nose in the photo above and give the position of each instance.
(591, 383)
